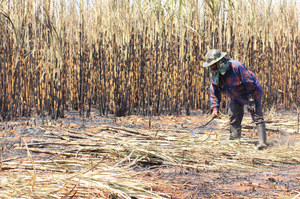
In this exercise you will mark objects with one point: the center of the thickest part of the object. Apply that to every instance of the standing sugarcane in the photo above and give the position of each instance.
(243, 88)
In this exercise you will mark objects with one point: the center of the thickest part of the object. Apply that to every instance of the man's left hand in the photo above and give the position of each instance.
(251, 105)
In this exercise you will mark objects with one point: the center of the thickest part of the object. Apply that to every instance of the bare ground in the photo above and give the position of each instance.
(155, 156)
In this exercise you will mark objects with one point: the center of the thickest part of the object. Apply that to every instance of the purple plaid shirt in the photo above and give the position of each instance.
(238, 83)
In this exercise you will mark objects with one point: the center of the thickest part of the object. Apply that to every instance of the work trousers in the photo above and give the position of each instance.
(236, 114)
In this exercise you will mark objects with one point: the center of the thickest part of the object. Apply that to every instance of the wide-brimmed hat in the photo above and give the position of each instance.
(213, 56)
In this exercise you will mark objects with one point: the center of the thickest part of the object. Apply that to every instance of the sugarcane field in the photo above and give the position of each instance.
(150, 99)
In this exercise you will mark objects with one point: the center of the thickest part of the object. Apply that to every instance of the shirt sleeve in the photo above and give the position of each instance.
(215, 97)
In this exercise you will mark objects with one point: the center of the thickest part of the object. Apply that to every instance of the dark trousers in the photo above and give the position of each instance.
(236, 114)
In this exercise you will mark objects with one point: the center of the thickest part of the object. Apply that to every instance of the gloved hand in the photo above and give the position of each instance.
(251, 105)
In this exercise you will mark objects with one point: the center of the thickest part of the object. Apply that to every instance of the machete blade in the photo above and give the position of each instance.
(193, 132)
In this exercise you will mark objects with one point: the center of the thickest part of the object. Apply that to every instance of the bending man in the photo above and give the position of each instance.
(242, 87)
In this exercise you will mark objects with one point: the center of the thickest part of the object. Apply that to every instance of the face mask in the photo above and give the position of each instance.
(215, 77)
(222, 65)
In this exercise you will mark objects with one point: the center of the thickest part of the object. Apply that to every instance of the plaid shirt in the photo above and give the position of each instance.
(238, 83)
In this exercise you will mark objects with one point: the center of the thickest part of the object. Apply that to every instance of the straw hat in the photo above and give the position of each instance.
(213, 56)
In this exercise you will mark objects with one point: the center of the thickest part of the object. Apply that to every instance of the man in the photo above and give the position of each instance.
(243, 88)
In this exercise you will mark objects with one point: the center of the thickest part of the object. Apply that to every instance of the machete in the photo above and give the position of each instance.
(193, 132)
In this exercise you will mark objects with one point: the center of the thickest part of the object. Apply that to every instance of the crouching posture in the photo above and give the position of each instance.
(242, 87)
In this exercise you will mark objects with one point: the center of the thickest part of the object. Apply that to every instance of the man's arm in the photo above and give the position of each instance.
(215, 97)
(252, 85)
(248, 78)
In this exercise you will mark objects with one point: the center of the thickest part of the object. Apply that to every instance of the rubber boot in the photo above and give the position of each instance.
(235, 132)
(261, 129)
